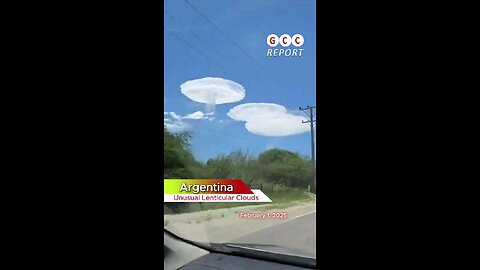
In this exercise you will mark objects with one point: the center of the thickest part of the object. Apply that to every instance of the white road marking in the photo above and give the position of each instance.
(303, 215)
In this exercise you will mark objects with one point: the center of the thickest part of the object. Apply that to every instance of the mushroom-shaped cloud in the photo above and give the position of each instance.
(269, 119)
(213, 91)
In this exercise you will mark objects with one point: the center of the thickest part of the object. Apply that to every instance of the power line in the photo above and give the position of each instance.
(193, 33)
(310, 114)
(193, 48)
(236, 45)
(219, 30)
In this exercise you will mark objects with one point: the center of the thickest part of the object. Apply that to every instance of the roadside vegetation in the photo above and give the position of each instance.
(284, 176)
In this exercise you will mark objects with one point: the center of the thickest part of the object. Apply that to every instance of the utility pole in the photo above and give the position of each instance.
(311, 121)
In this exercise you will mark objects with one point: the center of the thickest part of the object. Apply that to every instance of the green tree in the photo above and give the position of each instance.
(279, 166)
(178, 160)
(220, 167)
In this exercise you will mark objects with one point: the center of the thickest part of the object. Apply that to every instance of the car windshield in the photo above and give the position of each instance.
(239, 99)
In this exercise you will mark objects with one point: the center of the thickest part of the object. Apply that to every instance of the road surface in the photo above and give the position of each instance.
(297, 236)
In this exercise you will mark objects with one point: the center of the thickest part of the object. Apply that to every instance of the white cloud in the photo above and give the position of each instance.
(250, 111)
(175, 122)
(269, 119)
(174, 115)
(213, 91)
(192, 116)
(195, 116)
(177, 126)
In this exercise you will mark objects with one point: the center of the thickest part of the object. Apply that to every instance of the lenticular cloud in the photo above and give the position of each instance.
(250, 111)
(213, 91)
(269, 119)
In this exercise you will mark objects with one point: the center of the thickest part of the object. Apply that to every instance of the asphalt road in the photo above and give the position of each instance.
(296, 236)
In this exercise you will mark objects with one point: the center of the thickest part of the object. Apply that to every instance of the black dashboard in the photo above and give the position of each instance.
(179, 254)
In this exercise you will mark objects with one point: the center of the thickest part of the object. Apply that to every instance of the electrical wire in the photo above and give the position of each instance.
(193, 48)
(239, 48)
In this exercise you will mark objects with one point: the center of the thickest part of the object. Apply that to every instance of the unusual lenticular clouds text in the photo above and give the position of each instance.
(209, 190)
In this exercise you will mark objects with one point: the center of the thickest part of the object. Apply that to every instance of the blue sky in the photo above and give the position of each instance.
(195, 49)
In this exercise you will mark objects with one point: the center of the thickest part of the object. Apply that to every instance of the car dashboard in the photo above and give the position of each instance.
(179, 254)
